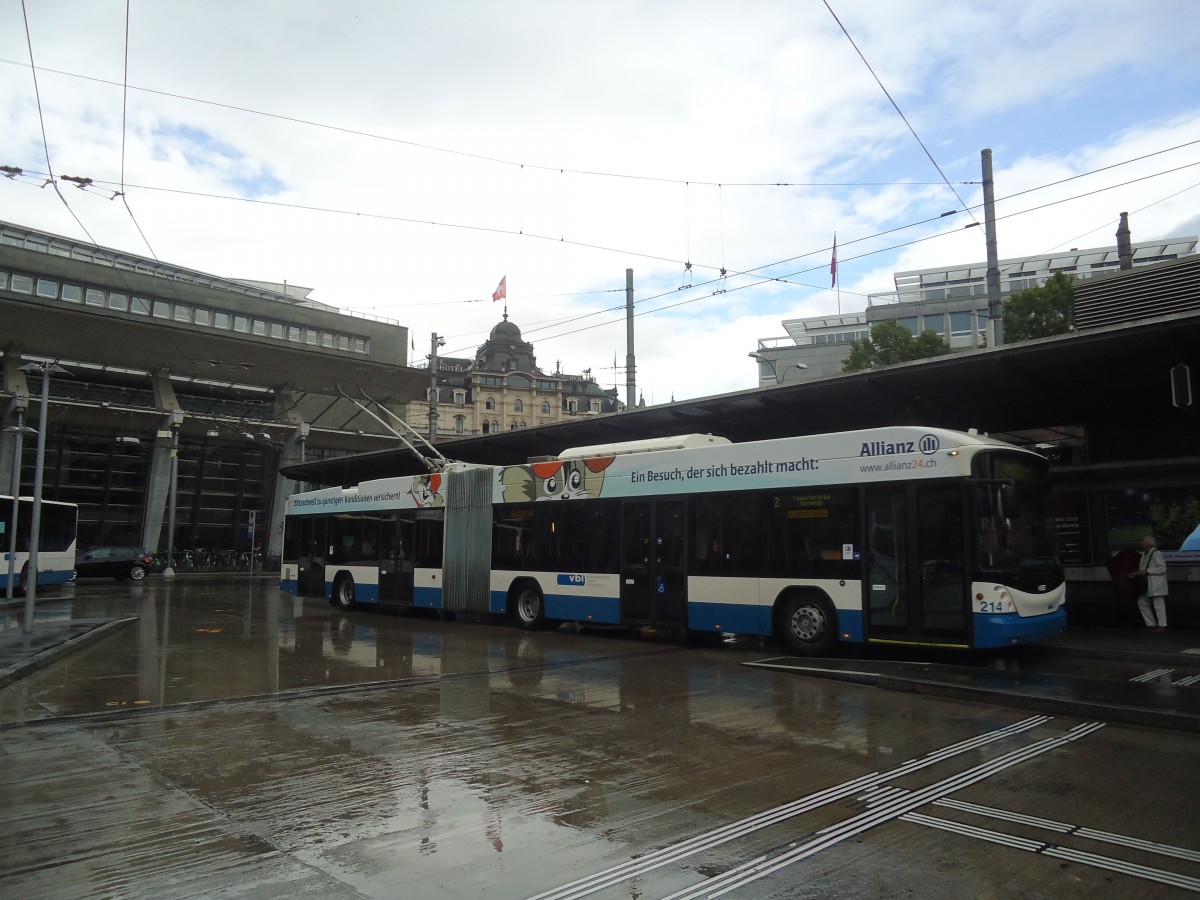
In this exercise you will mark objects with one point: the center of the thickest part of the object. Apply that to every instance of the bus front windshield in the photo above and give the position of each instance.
(1015, 539)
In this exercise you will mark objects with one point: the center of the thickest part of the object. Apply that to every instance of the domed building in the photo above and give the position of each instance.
(503, 389)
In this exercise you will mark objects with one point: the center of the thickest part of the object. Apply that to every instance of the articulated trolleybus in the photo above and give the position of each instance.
(897, 535)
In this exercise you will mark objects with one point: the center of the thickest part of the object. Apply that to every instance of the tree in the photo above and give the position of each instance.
(1040, 311)
(888, 343)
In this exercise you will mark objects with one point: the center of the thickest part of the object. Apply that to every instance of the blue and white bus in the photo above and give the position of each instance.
(897, 535)
(56, 545)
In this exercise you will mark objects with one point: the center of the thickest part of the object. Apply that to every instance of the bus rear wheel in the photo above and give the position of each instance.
(529, 608)
(807, 625)
(343, 592)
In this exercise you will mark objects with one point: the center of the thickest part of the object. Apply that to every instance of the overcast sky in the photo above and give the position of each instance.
(559, 143)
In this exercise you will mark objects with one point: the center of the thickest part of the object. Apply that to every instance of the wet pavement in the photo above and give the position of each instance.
(1119, 675)
(1115, 675)
(235, 741)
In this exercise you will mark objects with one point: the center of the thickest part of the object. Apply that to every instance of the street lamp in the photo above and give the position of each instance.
(19, 431)
(35, 523)
(774, 364)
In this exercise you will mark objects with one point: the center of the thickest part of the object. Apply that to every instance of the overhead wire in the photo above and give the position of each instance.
(689, 265)
(490, 229)
(124, 108)
(561, 239)
(478, 156)
(788, 278)
(743, 273)
(126, 87)
(52, 180)
(889, 248)
(1109, 223)
(896, 106)
(711, 295)
(1116, 165)
(489, 299)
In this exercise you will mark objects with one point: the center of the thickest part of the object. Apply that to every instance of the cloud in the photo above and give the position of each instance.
(209, 157)
(533, 95)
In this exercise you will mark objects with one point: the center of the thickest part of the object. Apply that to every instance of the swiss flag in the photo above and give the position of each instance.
(500, 292)
(833, 263)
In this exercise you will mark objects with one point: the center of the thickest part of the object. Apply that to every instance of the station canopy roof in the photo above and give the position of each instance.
(1036, 392)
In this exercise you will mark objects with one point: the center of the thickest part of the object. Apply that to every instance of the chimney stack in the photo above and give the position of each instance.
(1124, 245)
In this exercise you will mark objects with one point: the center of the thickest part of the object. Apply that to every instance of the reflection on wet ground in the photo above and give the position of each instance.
(221, 639)
(197, 642)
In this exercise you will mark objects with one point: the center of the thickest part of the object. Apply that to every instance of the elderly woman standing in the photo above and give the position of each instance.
(1153, 601)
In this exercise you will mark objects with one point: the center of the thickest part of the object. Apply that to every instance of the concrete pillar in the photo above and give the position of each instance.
(291, 454)
(158, 479)
(158, 485)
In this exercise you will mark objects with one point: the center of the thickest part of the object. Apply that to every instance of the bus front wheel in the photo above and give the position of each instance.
(343, 592)
(807, 625)
(529, 608)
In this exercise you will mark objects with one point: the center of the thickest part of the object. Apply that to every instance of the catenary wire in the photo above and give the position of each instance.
(42, 123)
(505, 231)
(712, 294)
(335, 211)
(124, 108)
(746, 272)
(755, 284)
(896, 106)
(784, 278)
(859, 256)
(479, 156)
(1107, 224)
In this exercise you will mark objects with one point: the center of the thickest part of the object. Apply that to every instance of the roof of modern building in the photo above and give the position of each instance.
(1075, 260)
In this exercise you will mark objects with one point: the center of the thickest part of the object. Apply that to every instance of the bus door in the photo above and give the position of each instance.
(396, 562)
(653, 571)
(310, 577)
(915, 587)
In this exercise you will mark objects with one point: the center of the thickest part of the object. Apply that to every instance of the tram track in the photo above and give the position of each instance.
(888, 803)
(736, 830)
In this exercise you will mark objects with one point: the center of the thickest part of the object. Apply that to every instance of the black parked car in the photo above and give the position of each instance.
(113, 562)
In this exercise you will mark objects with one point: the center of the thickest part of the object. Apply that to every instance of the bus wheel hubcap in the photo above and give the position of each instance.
(808, 623)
